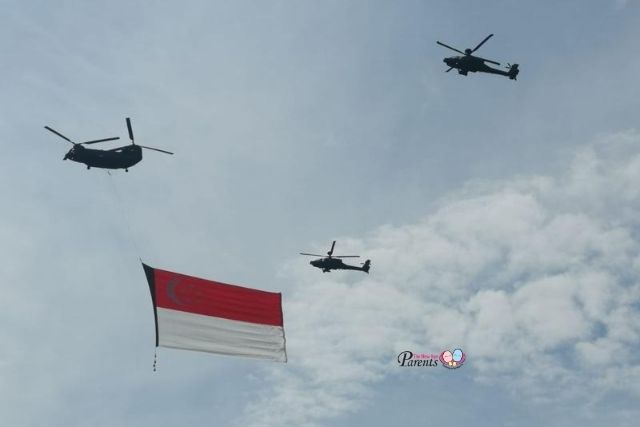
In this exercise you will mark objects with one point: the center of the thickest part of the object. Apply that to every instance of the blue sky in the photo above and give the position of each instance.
(509, 206)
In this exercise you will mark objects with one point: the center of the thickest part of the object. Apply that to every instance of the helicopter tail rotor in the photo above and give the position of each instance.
(366, 266)
(513, 71)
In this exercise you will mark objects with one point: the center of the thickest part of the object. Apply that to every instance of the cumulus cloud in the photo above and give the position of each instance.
(546, 267)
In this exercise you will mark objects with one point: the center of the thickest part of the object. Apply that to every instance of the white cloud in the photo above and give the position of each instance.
(536, 278)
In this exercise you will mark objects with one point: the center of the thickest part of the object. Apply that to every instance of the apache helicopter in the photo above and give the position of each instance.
(335, 263)
(116, 158)
(470, 63)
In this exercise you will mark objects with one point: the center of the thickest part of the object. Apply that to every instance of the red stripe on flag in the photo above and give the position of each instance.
(194, 295)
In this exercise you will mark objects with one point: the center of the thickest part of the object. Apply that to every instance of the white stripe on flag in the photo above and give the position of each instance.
(188, 331)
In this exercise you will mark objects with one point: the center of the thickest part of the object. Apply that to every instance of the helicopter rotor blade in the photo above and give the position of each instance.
(130, 130)
(482, 42)
(303, 253)
(346, 256)
(333, 245)
(59, 134)
(488, 60)
(449, 70)
(155, 149)
(95, 141)
(449, 47)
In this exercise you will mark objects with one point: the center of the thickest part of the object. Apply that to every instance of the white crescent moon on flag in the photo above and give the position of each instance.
(171, 291)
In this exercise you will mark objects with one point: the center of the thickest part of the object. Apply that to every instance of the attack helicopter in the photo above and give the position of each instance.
(471, 63)
(333, 262)
(115, 158)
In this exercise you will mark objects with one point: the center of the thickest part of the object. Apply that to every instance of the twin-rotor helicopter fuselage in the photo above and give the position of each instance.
(115, 158)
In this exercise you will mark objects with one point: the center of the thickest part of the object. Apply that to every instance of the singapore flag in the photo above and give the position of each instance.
(203, 315)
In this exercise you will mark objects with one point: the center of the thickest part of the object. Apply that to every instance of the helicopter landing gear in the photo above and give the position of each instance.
(88, 167)
(126, 170)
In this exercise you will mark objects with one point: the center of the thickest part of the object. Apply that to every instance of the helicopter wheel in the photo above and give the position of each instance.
(126, 170)
(88, 167)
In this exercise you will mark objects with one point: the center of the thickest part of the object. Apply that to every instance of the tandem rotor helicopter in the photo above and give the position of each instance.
(469, 63)
(115, 158)
(333, 262)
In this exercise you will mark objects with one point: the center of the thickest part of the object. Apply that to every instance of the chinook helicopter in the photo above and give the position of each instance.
(333, 262)
(115, 158)
(471, 63)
